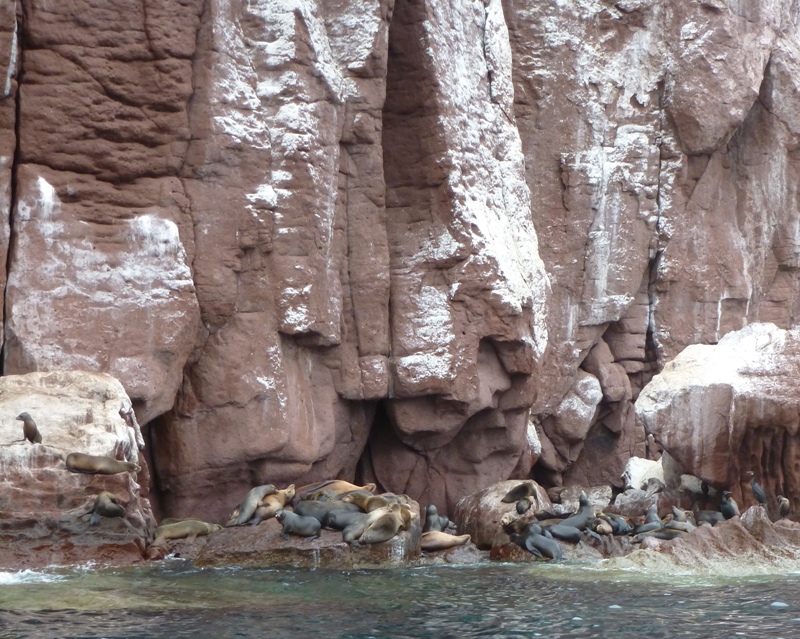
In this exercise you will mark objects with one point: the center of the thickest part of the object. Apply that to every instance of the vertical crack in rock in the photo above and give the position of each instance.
(9, 163)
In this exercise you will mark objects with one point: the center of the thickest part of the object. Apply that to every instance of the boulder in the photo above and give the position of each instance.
(722, 410)
(479, 514)
(43, 506)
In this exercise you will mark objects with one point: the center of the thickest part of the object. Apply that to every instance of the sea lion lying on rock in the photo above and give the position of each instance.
(437, 540)
(98, 465)
(188, 529)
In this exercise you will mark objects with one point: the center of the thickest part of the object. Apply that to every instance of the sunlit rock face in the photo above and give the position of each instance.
(725, 409)
(44, 507)
(430, 244)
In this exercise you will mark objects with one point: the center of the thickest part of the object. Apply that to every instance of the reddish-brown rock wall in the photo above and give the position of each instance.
(425, 243)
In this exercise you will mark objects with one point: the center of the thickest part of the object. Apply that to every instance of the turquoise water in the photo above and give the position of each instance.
(174, 600)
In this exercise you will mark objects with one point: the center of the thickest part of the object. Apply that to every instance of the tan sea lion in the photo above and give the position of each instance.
(337, 486)
(98, 465)
(187, 529)
(382, 524)
(272, 503)
(369, 502)
(435, 540)
(244, 512)
(29, 429)
(106, 505)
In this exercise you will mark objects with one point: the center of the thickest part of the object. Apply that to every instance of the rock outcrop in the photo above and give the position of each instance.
(44, 508)
(725, 409)
(430, 244)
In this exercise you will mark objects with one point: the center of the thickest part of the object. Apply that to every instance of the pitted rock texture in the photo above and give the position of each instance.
(430, 243)
(42, 504)
(722, 410)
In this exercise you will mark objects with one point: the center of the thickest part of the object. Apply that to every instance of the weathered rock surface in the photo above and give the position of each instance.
(722, 410)
(428, 243)
(480, 513)
(42, 504)
(750, 544)
(263, 547)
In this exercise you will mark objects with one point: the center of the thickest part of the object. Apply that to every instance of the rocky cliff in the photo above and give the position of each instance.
(430, 243)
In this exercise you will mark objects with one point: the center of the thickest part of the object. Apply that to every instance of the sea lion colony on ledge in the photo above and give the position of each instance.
(537, 533)
(362, 516)
(366, 518)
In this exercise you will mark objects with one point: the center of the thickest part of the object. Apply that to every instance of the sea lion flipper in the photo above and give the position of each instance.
(95, 519)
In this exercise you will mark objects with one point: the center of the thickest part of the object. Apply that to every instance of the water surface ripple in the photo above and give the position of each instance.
(495, 600)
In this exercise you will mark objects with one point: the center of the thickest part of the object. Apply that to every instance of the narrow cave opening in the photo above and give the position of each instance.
(381, 434)
(151, 486)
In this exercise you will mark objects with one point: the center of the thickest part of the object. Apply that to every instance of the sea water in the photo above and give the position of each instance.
(174, 600)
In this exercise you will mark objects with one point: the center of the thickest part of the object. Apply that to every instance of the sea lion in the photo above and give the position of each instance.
(272, 503)
(729, 508)
(565, 532)
(382, 524)
(337, 486)
(678, 514)
(758, 491)
(434, 521)
(652, 515)
(436, 540)
(295, 524)
(685, 526)
(341, 519)
(783, 506)
(369, 502)
(525, 489)
(619, 525)
(661, 533)
(106, 505)
(249, 504)
(29, 429)
(583, 518)
(98, 465)
(602, 526)
(320, 509)
(538, 545)
(187, 529)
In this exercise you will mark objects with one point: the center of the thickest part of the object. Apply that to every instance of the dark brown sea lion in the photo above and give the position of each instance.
(341, 519)
(525, 489)
(320, 509)
(106, 505)
(436, 540)
(298, 525)
(188, 529)
(538, 545)
(98, 465)
(434, 521)
(584, 517)
(29, 429)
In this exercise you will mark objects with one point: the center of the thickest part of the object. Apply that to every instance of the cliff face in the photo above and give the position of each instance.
(425, 243)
